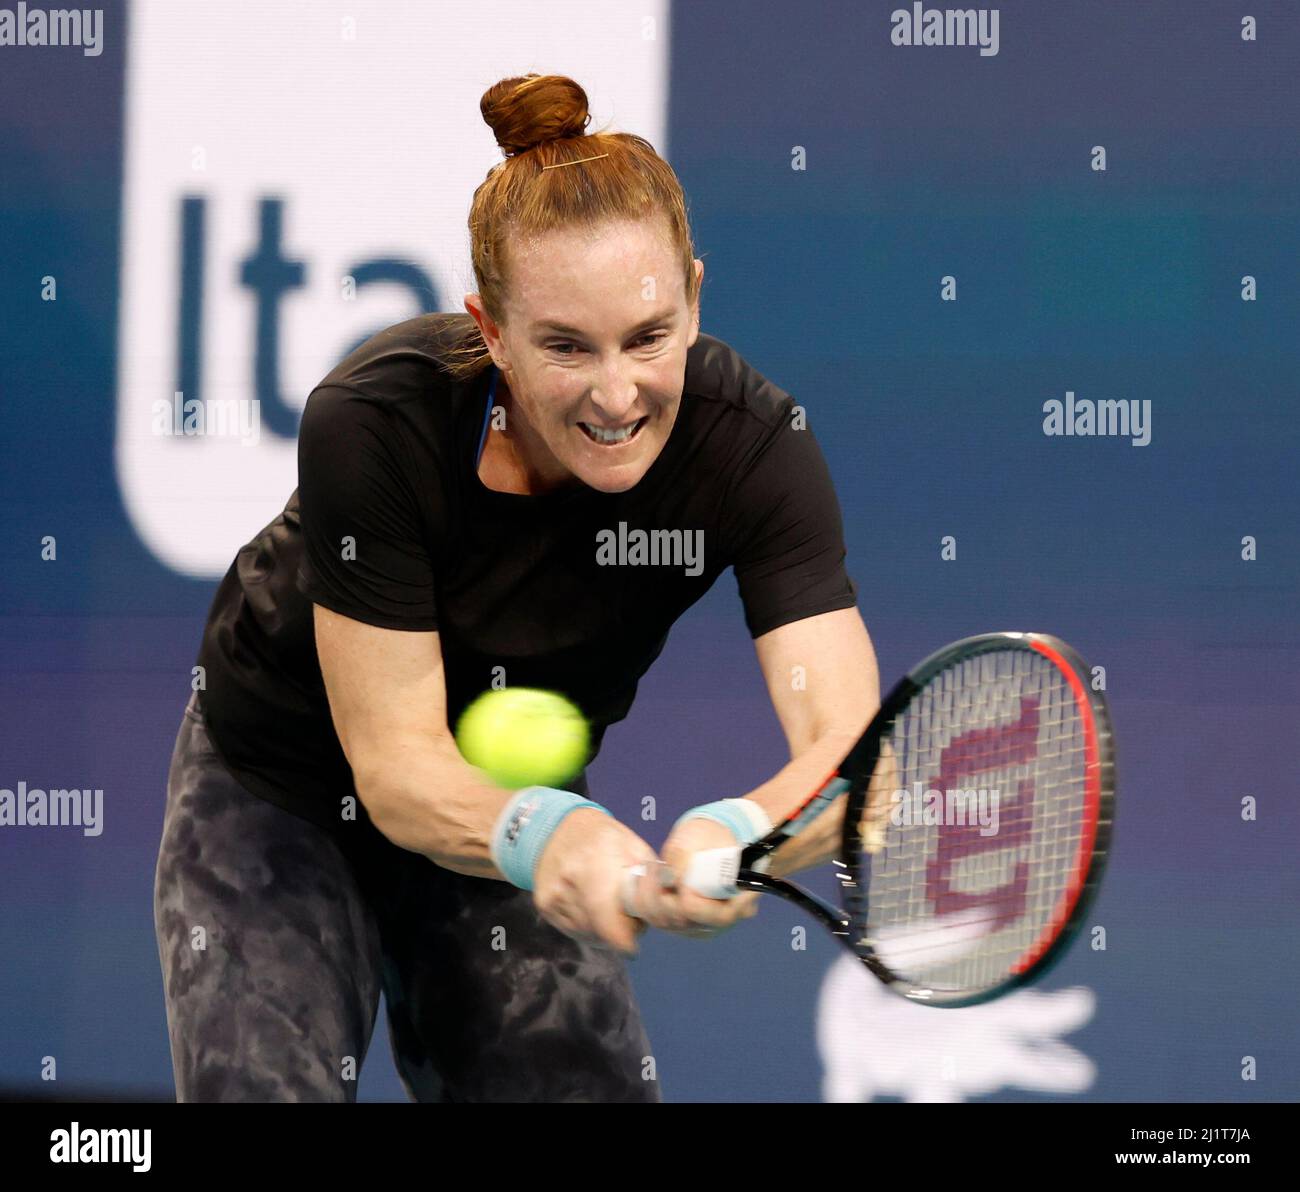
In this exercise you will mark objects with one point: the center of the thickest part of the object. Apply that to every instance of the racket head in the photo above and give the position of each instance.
(945, 913)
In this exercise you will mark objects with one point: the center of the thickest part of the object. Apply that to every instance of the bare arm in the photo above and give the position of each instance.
(821, 674)
(388, 700)
(823, 680)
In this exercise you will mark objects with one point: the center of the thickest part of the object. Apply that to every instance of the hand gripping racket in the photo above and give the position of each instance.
(978, 811)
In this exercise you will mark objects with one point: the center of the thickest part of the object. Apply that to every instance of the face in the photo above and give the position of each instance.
(595, 331)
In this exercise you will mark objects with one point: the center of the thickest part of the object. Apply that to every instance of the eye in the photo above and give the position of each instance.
(648, 340)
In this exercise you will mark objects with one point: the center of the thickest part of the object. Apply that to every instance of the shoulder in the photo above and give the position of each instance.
(719, 377)
(751, 436)
(402, 363)
(395, 383)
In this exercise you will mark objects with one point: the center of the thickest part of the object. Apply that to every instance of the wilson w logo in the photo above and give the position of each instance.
(981, 751)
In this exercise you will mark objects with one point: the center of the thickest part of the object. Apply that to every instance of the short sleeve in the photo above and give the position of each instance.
(365, 551)
(788, 533)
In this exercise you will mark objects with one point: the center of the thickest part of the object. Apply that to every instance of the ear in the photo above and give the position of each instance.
(487, 327)
(695, 308)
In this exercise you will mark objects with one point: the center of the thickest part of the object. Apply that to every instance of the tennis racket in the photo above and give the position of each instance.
(978, 811)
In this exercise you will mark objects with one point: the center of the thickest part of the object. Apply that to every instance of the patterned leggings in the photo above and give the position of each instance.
(275, 944)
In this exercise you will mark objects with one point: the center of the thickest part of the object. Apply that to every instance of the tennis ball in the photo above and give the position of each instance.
(521, 736)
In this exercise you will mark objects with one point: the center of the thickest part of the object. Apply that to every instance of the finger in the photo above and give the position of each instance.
(699, 933)
(646, 894)
(630, 891)
(709, 912)
(613, 927)
(677, 909)
(662, 908)
(621, 935)
(743, 906)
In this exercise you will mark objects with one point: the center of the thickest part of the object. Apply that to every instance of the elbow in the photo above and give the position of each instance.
(394, 808)
(417, 805)
(842, 736)
(376, 797)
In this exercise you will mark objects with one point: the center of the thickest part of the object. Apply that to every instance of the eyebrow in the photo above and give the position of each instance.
(663, 316)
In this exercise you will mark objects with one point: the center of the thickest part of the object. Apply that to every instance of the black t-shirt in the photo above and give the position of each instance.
(391, 525)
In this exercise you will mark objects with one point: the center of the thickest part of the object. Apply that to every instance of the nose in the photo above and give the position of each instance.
(614, 395)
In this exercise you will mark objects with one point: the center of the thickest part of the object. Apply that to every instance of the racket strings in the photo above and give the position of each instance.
(978, 804)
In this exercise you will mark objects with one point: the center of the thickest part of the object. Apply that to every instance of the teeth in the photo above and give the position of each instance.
(608, 436)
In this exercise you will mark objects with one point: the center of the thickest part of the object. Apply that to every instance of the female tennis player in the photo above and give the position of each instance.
(527, 494)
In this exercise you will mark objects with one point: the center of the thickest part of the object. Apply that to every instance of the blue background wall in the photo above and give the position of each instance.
(921, 163)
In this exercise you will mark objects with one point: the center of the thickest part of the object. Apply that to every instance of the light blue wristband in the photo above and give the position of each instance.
(746, 819)
(526, 824)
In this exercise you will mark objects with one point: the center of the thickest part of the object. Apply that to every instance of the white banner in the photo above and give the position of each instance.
(298, 176)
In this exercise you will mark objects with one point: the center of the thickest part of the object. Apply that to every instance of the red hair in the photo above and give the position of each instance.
(539, 121)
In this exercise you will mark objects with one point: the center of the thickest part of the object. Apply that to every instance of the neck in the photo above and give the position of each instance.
(509, 456)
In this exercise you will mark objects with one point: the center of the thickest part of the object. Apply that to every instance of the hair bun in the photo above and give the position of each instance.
(527, 111)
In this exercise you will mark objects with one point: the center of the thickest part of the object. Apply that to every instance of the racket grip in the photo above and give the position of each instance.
(712, 871)
(633, 874)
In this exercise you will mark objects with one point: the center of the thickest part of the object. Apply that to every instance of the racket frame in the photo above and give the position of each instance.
(853, 775)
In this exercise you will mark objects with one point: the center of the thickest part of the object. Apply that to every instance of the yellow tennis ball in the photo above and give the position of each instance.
(521, 736)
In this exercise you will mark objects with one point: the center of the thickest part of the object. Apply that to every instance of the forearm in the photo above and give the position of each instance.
(823, 717)
(820, 840)
(426, 798)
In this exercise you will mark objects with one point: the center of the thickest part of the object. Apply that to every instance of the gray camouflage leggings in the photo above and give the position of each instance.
(275, 944)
